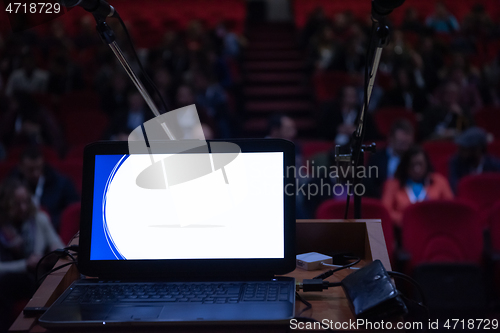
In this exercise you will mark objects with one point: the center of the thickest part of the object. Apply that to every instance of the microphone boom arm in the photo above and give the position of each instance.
(383, 38)
(108, 36)
(355, 157)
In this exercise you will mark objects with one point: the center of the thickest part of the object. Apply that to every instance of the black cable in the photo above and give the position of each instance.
(423, 301)
(58, 252)
(54, 269)
(412, 281)
(347, 205)
(409, 301)
(329, 273)
(139, 62)
(306, 303)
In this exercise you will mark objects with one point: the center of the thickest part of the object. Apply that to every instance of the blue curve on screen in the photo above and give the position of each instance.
(102, 244)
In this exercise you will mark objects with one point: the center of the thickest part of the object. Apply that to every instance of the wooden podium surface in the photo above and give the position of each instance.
(364, 238)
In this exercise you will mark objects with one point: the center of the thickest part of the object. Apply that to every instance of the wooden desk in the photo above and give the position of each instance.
(361, 237)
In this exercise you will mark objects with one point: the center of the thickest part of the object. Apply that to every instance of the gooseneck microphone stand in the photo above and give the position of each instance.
(108, 36)
(356, 156)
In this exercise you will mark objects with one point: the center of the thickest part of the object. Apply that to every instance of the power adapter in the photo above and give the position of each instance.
(372, 294)
(312, 260)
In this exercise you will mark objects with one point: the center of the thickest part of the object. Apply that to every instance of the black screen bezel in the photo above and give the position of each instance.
(198, 269)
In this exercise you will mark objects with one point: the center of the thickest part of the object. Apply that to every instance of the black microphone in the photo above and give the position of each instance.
(98, 8)
(382, 8)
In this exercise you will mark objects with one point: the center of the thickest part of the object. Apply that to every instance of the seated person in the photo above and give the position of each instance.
(442, 21)
(387, 160)
(283, 127)
(413, 182)
(25, 122)
(51, 190)
(326, 180)
(339, 119)
(135, 114)
(280, 126)
(448, 118)
(472, 157)
(26, 234)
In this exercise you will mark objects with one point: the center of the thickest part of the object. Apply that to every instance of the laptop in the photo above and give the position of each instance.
(157, 248)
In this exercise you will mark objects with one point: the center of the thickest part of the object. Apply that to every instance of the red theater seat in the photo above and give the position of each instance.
(313, 147)
(327, 85)
(439, 150)
(442, 166)
(441, 231)
(385, 117)
(493, 248)
(489, 118)
(481, 190)
(84, 126)
(80, 100)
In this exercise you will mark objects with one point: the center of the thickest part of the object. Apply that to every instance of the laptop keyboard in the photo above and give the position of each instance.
(205, 293)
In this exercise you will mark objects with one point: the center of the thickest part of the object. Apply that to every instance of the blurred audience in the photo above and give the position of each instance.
(469, 96)
(65, 76)
(412, 21)
(405, 93)
(472, 157)
(26, 234)
(282, 127)
(279, 126)
(51, 191)
(478, 22)
(29, 78)
(387, 160)
(325, 50)
(114, 98)
(339, 118)
(133, 116)
(213, 98)
(25, 122)
(414, 181)
(448, 118)
(442, 21)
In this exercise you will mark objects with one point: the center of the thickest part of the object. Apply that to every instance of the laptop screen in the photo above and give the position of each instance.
(234, 212)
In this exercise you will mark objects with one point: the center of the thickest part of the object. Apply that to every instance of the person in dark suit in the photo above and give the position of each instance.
(280, 126)
(405, 93)
(386, 160)
(126, 120)
(340, 118)
(52, 191)
(448, 118)
(472, 157)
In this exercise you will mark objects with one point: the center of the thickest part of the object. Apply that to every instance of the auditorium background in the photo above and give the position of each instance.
(290, 69)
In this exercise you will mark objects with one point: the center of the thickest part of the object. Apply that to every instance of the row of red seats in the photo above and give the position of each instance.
(150, 19)
(362, 8)
(431, 230)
